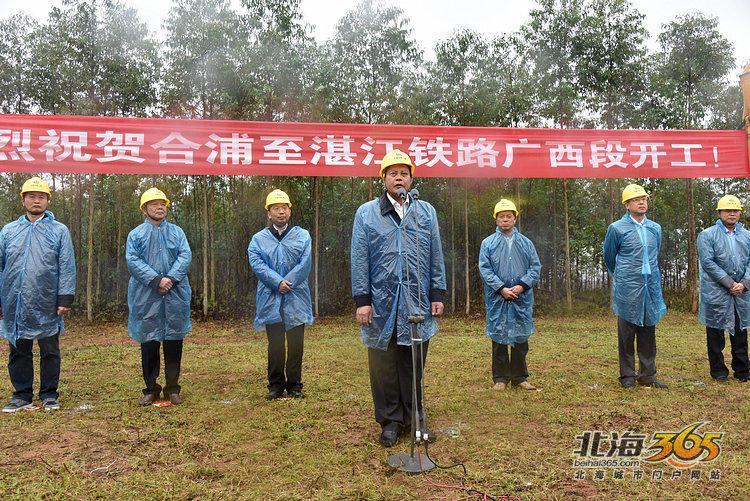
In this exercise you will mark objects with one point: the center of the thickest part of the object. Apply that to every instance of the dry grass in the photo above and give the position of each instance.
(226, 441)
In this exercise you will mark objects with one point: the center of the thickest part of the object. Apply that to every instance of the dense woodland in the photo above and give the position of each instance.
(576, 63)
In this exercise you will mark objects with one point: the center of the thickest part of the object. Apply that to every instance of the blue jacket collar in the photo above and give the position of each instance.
(738, 227)
(630, 220)
(48, 216)
(513, 234)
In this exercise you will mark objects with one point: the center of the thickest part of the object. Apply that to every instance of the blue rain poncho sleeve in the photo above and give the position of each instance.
(301, 271)
(360, 256)
(181, 265)
(273, 261)
(135, 257)
(721, 265)
(437, 260)
(153, 252)
(397, 274)
(37, 266)
(637, 294)
(503, 265)
(66, 282)
(255, 255)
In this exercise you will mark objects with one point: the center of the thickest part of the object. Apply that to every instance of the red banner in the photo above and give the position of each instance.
(72, 144)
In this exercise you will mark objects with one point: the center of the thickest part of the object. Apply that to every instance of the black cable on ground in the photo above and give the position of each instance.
(426, 452)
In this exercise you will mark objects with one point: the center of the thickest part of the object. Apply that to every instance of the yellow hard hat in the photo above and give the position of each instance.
(152, 194)
(36, 184)
(396, 157)
(277, 197)
(504, 205)
(729, 202)
(632, 191)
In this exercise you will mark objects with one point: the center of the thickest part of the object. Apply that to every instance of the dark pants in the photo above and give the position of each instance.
(285, 369)
(391, 374)
(21, 368)
(627, 335)
(513, 369)
(715, 344)
(151, 364)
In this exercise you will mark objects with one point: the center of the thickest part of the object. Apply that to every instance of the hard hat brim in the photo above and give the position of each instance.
(384, 169)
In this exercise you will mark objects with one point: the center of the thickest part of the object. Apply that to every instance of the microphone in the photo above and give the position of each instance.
(414, 194)
(401, 192)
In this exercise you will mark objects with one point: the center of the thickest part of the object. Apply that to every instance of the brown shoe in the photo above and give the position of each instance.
(175, 398)
(499, 386)
(527, 386)
(147, 399)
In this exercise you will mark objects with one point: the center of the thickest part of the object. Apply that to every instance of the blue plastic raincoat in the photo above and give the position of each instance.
(379, 270)
(37, 266)
(631, 252)
(723, 262)
(507, 264)
(273, 261)
(152, 253)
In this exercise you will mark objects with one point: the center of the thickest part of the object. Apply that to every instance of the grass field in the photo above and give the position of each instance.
(227, 441)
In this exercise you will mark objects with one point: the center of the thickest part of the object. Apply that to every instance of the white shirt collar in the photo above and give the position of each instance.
(396, 203)
(281, 230)
(635, 220)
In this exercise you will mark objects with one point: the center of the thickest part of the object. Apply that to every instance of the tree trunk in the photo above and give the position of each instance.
(517, 184)
(610, 220)
(316, 250)
(466, 247)
(205, 246)
(119, 256)
(553, 281)
(453, 251)
(90, 256)
(692, 271)
(566, 218)
(212, 249)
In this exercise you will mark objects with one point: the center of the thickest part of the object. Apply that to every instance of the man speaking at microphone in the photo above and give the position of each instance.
(386, 259)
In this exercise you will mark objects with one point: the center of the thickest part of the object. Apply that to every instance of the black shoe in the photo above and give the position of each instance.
(628, 384)
(720, 379)
(741, 379)
(16, 404)
(296, 394)
(388, 438)
(274, 394)
(655, 384)
(174, 398)
(147, 399)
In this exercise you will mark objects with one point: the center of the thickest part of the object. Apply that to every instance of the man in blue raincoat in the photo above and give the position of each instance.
(724, 255)
(394, 274)
(280, 256)
(158, 257)
(37, 287)
(510, 267)
(631, 252)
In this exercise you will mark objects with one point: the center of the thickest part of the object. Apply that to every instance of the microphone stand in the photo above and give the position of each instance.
(414, 462)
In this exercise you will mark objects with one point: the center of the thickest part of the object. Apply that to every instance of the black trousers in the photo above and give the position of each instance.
(509, 370)
(391, 384)
(285, 369)
(151, 364)
(715, 344)
(627, 335)
(21, 368)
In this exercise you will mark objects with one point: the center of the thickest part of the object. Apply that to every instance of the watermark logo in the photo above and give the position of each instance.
(686, 448)
(629, 451)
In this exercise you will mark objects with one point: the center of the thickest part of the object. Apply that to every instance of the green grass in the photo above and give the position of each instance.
(227, 441)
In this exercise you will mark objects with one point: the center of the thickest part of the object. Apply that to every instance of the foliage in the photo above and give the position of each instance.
(574, 63)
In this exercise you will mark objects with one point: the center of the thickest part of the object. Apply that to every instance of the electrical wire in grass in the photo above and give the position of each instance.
(427, 453)
(469, 490)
